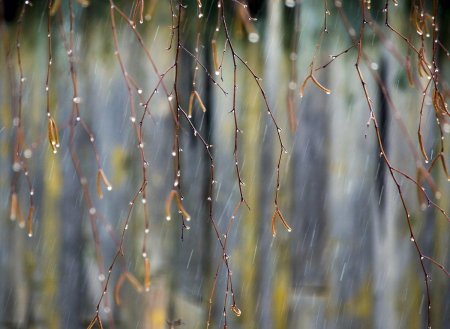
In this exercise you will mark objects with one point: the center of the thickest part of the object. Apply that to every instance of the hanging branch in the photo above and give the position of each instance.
(21, 153)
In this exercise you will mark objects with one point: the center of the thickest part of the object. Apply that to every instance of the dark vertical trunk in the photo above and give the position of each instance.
(383, 122)
(189, 249)
(310, 179)
(385, 223)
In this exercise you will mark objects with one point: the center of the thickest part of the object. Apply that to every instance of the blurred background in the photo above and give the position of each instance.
(349, 261)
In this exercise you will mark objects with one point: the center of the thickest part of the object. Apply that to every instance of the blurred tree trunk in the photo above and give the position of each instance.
(349, 201)
(71, 267)
(207, 256)
(310, 189)
(384, 224)
(48, 219)
(17, 287)
(188, 245)
(267, 169)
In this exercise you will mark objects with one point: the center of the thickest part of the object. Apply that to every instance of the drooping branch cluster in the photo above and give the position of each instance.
(423, 43)
(183, 112)
(421, 65)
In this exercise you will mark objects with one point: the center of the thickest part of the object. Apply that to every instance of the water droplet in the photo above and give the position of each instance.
(139, 91)
(92, 211)
(16, 166)
(289, 3)
(144, 200)
(168, 218)
(253, 37)
(77, 100)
